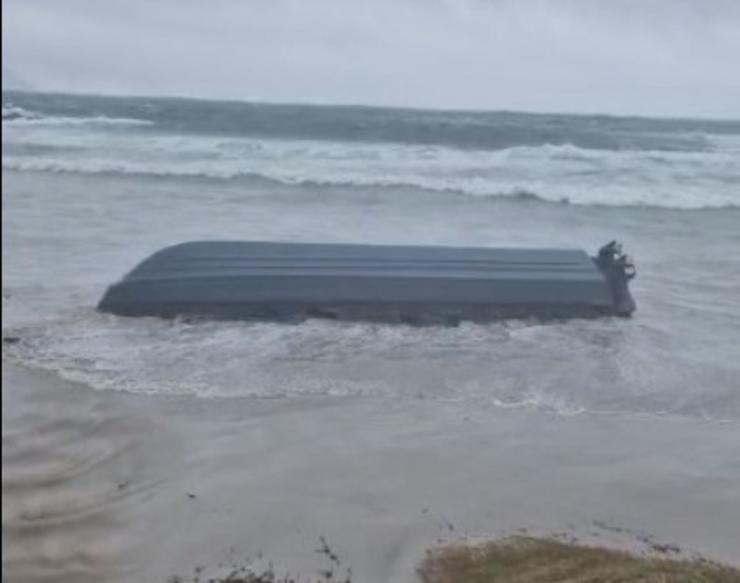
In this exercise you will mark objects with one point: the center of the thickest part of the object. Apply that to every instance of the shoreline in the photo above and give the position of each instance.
(382, 482)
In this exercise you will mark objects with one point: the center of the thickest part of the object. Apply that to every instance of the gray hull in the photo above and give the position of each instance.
(294, 281)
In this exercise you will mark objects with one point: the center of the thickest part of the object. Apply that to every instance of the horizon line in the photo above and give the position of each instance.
(356, 105)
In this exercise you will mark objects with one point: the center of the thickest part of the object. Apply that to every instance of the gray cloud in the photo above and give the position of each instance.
(655, 57)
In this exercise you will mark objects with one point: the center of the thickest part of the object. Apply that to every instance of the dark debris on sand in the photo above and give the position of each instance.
(245, 573)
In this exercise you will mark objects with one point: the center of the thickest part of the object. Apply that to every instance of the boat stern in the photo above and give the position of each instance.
(618, 269)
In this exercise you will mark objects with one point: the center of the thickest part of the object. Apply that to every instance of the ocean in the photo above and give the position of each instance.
(92, 185)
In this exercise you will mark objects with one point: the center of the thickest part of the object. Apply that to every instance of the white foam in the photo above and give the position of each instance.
(16, 117)
(563, 173)
(264, 360)
(12, 112)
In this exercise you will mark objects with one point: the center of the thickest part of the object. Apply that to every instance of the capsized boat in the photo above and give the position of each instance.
(411, 284)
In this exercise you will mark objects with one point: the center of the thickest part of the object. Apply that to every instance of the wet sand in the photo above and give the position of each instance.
(107, 486)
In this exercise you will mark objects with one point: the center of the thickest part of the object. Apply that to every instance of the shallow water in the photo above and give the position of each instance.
(63, 247)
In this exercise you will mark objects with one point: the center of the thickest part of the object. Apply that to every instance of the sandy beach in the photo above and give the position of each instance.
(121, 487)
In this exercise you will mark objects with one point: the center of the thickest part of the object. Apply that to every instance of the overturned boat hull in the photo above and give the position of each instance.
(294, 281)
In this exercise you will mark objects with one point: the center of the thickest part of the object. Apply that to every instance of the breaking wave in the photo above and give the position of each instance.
(14, 116)
(703, 173)
(558, 174)
(13, 113)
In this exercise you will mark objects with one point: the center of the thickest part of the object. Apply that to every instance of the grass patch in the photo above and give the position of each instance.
(542, 560)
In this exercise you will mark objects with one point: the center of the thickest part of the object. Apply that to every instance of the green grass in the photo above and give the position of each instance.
(537, 560)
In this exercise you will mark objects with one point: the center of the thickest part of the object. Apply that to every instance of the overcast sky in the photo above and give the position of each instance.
(651, 57)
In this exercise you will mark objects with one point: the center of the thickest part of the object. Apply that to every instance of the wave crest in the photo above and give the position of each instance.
(606, 196)
(14, 116)
(553, 173)
(13, 113)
